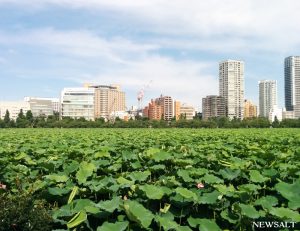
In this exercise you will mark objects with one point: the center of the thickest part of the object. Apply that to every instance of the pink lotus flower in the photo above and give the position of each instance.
(200, 185)
(2, 186)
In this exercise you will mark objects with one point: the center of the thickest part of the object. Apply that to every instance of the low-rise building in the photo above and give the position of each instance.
(275, 112)
(187, 111)
(77, 103)
(288, 114)
(14, 108)
(42, 106)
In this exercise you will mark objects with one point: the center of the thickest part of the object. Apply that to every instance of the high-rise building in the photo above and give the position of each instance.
(160, 108)
(155, 111)
(108, 100)
(250, 110)
(167, 105)
(267, 96)
(292, 84)
(187, 111)
(42, 106)
(177, 105)
(77, 103)
(231, 87)
(213, 106)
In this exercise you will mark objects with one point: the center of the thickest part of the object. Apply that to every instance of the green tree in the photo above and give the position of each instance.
(7, 119)
(182, 116)
(2, 124)
(21, 121)
(275, 123)
(29, 118)
(223, 122)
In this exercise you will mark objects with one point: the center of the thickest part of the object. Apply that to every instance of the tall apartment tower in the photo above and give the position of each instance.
(292, 84)
(267, 97)
(155, 111)
(177, 106)
(213, 106)
(161, 108)
(168, 108)
(108, 100)
(231, 87)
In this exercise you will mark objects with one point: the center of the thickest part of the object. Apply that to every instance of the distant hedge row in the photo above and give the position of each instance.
(27, 120)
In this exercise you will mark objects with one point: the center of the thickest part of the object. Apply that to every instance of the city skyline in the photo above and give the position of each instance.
(55, 44)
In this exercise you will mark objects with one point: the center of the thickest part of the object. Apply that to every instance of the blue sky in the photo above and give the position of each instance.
(46, 45)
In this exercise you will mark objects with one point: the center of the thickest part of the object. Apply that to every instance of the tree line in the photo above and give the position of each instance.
(27, 120)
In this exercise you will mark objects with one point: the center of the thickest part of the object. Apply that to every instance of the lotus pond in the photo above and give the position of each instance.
(148, 179)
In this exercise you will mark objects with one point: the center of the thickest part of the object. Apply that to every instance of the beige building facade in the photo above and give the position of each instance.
(231, 87)
(250, 110)
(108, 99)
(187, 111)
(177, 105)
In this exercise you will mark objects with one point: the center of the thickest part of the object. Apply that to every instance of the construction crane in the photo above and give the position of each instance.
(141, 95)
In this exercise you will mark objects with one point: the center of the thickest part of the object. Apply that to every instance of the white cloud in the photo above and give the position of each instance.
(252, 27)
(75, 43)
(121, 61)
(248, 25)
(185, 81)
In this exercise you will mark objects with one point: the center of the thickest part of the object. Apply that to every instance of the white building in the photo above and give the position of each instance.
(187, 111)
(275, 112)
(231, 87)
(14, 108)
(42, 106)
(292, 84)
(287, 114)
(77, 103)
(123, 115)
(267, 96)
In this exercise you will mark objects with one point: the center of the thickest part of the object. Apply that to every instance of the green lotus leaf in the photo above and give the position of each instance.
(85, 170)
(286, 214)
(256, 177)
(290, 192)
(110, 205)
(139, 176)
(137, 213)
(186, 193)
(152, 192)
(166, 223)
(249, 211)
(118, 226)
